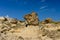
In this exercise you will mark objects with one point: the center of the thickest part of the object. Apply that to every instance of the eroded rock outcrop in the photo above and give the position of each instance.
(32, 19)
(13, 29)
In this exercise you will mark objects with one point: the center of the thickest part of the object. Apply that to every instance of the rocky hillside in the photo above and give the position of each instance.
(30, 29)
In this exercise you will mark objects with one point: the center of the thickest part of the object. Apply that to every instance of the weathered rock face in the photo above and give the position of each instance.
(48, 20)
(13, 29)
(32, 19)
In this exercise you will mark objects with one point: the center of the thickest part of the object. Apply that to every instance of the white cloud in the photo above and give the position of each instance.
(43, 7)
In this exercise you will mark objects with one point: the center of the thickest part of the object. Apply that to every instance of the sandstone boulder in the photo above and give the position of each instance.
(32, 19)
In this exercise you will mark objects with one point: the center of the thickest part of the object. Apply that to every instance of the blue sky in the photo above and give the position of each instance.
(18, 8)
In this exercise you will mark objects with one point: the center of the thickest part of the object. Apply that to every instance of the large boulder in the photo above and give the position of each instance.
(32, 19)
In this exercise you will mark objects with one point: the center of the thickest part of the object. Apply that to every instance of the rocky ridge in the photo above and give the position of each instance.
(30, 29)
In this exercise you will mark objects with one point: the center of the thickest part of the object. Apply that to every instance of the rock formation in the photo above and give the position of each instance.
(32, 19)
(13, 29)
(48, 20)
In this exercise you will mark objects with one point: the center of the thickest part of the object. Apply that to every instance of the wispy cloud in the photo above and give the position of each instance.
(25, 2)
(43, 7)
(43, 0)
